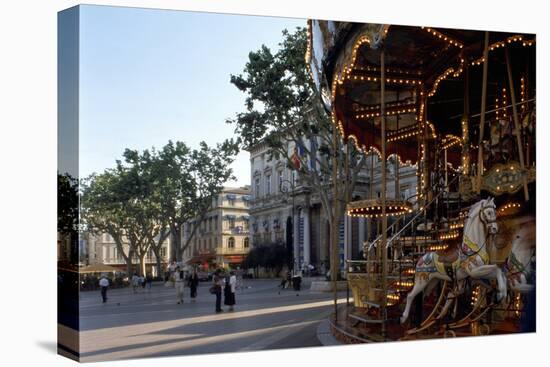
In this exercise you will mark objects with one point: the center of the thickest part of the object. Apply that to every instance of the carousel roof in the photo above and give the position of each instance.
(425, 74)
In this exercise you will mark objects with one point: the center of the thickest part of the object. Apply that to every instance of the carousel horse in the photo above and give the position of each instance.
(519, 264)
(470, 259)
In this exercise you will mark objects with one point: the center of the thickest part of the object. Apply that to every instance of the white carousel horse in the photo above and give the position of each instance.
(518, 265)
(470, 260)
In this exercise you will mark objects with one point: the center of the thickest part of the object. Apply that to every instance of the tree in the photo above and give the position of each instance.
(149, 227)
(187, 180)
(271, 257)
(104, 211)
(283, 109)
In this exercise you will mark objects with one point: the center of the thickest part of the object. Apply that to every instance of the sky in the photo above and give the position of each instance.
(148, 76)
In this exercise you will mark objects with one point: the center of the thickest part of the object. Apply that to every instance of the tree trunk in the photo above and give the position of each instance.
(176, 253)
(129, 265)
(142, 264)
(156, 251)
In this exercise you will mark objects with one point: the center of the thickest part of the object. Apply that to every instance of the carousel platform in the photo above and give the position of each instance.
(357, 326)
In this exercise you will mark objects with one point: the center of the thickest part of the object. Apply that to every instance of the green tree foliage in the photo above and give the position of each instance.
(187, 182)
(151, 194)
(271, 257)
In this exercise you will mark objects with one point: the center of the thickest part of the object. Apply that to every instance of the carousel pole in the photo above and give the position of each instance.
(516, 123)
(383, 250)
(482, 117)
(465, 122)
(334, 224)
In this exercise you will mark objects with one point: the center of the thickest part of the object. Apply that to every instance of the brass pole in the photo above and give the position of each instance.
(465, 122)
(516, 123)
(335, 224)
(482, 117)
(383, 250)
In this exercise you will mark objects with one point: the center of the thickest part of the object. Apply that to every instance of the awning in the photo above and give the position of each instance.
(234, 259)
(98, 268)
(201, 259)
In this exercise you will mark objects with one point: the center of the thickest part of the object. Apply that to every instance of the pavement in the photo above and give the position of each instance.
(151, 324)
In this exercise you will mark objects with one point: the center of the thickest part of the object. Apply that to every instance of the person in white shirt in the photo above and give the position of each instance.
(230, 289)
(104, 284)
(179, 284)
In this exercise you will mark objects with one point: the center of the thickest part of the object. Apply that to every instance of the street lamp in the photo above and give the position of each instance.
(289, 191)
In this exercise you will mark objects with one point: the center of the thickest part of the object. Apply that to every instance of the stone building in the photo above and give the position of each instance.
(282, 206)
(223, 236)
(102, 249)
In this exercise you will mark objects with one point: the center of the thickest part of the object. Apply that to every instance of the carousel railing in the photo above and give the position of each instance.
(411, 221)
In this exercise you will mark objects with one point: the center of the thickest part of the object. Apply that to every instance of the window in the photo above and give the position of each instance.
(215, 222)
(257, 187)
(231, 221)
(246, 242)
(268, 184)
(280, 179)
(231, 242)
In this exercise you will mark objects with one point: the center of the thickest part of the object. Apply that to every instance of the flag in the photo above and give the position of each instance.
(296, 159)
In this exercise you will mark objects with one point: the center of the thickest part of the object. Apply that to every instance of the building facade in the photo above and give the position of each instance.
(102, 249)
(222, 239)
(285, 211)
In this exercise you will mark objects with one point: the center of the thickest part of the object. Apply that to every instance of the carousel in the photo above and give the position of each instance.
(457, 257)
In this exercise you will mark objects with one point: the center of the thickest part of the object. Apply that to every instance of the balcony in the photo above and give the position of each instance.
(231, 251)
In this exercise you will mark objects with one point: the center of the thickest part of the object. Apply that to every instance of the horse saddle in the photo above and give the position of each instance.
(448, 256)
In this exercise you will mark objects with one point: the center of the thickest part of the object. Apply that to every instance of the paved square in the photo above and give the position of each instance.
(150, 323)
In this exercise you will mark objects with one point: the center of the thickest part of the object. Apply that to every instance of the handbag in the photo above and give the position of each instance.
(213, 289)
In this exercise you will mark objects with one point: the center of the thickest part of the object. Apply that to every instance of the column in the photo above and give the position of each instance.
(347, 239)
(361, 231)
(307, 236)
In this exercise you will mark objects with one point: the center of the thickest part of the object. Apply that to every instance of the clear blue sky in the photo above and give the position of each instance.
(147, 76)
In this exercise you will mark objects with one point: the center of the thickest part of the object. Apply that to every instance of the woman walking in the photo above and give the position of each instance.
(193, 284)
(229, 291)
(217, 289)
(180, 283)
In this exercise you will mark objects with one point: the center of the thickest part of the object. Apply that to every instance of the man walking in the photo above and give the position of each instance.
(217, 289)
(104, 284)
(193, 284)
(180, 283)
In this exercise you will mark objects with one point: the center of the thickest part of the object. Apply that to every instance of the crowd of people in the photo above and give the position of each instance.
(222, 283)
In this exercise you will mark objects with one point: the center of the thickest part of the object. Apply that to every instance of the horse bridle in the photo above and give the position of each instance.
(483, 220)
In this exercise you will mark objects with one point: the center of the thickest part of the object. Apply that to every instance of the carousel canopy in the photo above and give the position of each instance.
(432, 78)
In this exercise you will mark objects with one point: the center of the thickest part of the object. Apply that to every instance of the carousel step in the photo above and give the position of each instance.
(365, 319)
(371, 304)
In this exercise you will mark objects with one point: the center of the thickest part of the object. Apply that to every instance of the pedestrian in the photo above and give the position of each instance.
(180, 283)
(104, 284)
(135, 282)
(216, 289)
(149, 281)
(229, 291)
(193, 284)
(142, 281)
